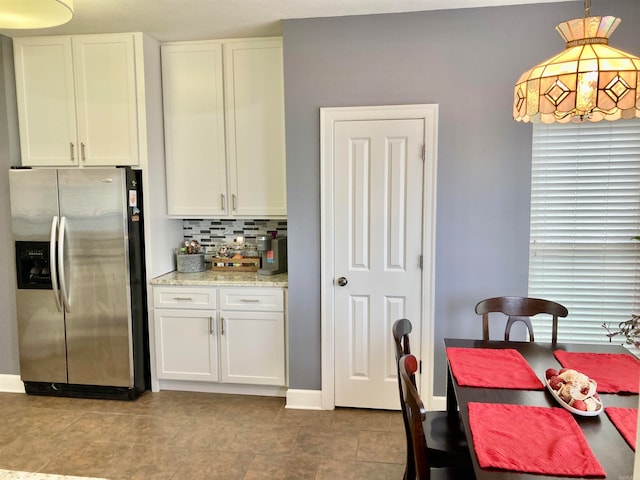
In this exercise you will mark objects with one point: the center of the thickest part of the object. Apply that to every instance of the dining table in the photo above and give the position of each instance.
(613, 453)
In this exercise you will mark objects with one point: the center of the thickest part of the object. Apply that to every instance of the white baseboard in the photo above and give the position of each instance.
(312, 400)
(41, 476)
(438, 403)
(11, 384)
(295, 399)
(211, 387)
(304, 399)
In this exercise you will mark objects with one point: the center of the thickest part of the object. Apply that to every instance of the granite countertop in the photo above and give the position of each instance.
(214, 278)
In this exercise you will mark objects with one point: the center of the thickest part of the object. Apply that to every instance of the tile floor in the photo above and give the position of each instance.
(182, 435)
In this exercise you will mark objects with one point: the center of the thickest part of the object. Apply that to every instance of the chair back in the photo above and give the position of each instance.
(520, 309)
(401, 330)
(416, 414)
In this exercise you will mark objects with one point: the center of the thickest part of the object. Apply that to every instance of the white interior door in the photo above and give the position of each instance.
(378, 216)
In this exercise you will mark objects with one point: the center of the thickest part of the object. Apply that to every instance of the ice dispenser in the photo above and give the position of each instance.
(32, 265)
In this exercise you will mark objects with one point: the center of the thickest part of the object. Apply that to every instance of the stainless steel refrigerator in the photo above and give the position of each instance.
(81, 305)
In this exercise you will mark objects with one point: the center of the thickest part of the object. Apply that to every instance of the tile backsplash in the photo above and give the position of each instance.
(210, 232)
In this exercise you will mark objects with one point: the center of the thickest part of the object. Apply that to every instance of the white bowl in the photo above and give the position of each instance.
(568, 407)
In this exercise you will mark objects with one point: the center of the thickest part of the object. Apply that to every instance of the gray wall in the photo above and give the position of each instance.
(9, 155)
(467, 61)
(464, 60)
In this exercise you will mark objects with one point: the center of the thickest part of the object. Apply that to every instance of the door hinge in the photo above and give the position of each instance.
(420, 367)
(424, 152)
(421, 262)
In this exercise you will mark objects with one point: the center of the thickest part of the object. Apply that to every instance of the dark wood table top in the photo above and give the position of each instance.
(606, 442)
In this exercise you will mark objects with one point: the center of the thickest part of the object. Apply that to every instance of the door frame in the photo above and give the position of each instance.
(328, 118)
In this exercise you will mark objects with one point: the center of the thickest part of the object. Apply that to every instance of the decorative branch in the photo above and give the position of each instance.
(629, 329)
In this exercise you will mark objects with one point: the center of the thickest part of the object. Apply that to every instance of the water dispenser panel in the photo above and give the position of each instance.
(32, 265)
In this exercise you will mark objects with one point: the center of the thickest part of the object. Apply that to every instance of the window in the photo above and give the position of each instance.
(585, 209)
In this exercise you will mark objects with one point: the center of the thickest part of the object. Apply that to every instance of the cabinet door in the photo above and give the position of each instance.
(186, 344)
(252, 347)
(106, 99)
(194, 129)
(254, 92)
(46, 104)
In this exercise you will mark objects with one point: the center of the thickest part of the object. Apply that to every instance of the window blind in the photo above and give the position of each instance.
(585, 209)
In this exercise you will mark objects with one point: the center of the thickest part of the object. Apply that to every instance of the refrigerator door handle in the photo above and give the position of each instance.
(63, 281)
(52, 262)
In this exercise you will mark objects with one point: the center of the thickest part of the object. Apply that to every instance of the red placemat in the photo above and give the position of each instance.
(614, 372)
(492, 368)
(626, 421)
(531, 439)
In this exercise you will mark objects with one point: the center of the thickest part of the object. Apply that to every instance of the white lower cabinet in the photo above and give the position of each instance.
(239, 339)
(252, 346)
(186, 345)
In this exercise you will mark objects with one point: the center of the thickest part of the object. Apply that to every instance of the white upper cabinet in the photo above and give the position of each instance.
(253, 74)
(193, 104)
(224, 128)
(77, 100)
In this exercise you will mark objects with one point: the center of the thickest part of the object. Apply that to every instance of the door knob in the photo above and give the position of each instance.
(342, 281)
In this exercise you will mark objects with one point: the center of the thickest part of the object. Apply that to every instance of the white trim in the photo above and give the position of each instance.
(304, 399)
(11, 384)
(439, 403)
(15, 474)
(328, 117)
(206, 387)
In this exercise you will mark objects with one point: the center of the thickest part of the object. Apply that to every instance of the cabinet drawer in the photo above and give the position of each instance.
(184, 297)
(252, 299)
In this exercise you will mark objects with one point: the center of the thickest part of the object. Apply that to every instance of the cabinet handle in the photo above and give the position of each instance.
(221, 325)
(82, 153)
(250, 300)
(222, 200)
(233, 202)
(212, 328)
(71, 149)
(186, 299)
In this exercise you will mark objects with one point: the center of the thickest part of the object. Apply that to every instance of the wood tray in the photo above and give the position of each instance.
(245, 264)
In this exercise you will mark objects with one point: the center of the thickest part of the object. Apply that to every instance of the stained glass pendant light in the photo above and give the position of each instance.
(589, 80)
(21, 14)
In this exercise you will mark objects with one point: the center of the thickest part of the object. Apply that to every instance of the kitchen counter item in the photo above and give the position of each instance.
(243, 264)
(190, 262)
(273, 253)
(212, 277)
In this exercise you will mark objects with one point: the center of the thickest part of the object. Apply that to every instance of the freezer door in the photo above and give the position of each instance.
(34, 203)
(41, 334)
(96, 279)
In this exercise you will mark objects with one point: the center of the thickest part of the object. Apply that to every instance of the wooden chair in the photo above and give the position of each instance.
(444, 434)
(520, 309)
(423, 467)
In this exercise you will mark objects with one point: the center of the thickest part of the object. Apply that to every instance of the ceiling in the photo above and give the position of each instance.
(174, 20)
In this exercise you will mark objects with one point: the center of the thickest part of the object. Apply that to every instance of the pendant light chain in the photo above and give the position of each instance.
(587, 8)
